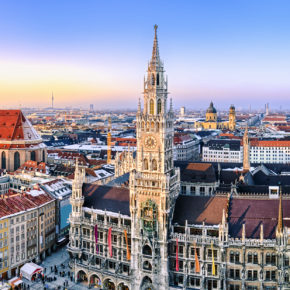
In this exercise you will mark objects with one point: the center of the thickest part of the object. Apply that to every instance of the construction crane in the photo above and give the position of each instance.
(109, 137)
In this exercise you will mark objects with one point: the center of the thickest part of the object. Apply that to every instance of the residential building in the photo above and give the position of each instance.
(4, 244)
(222, 150)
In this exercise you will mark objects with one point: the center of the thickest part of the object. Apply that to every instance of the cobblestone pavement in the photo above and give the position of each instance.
(56, 258)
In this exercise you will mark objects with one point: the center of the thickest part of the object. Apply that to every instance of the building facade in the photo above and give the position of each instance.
(152, 237)
(28, 229)
(222, 150)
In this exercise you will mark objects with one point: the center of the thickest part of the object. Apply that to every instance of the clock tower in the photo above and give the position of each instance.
(154, 184)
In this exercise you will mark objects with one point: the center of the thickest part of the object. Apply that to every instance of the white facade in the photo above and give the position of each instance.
(224, 155)
(186, 150)
(263, 154)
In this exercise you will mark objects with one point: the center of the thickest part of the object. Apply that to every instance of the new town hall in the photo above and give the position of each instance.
(153, 235)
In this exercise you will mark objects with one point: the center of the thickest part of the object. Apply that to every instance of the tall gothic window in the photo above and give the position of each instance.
(157, 80)
(151, 107)
(16, 160)
(146, 167)
(3, 160)
(43, 155)
(152, 80)
(154, 165)
(159, 106)
(32, 156)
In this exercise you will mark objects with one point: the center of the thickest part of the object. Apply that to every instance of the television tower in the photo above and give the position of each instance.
(52, 100)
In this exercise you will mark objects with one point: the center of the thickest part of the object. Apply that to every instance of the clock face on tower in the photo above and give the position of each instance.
(150, 142)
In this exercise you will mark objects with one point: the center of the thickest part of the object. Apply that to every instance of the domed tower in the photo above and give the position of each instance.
(232, 118)
(211, 114)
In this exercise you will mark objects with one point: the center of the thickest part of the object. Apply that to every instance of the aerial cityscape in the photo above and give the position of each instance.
(112, 178)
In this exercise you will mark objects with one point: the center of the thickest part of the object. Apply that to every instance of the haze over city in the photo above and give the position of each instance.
(225, 51)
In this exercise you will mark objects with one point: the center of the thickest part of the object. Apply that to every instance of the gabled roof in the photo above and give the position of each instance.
(254, 212)
(199, 209)
(113, 199)
(196, 172)
(14, 126)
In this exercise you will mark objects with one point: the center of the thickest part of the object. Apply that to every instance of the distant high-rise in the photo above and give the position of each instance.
(267, 109)
(91, 107)
(182, 111)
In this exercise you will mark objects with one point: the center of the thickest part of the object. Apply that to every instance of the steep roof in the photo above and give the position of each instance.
(14, 126)
(254, 212)
(114, 199)
(199, 209)
(22, 202)
(196, 172)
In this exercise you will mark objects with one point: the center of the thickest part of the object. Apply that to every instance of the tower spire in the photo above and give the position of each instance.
(246, 149)
(280, 215)
(155, 52)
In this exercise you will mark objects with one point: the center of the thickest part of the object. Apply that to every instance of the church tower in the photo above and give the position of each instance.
(77, 199)
(246, 151)
(154, 184)
(232, 118)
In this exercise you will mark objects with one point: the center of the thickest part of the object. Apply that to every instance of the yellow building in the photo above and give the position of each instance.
(4, 253)
(212, 123)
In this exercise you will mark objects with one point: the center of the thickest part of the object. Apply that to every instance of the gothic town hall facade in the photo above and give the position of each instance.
(151, 236)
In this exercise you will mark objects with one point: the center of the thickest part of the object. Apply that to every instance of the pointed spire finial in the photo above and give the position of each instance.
(262, 233)
(280, 215)
(139, 105)
(155, 52)
(244, 233)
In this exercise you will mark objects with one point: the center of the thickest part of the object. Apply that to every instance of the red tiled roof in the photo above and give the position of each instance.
(199, 209)
(11, 125)
(32, 166)
(272, 143)
(21, 202)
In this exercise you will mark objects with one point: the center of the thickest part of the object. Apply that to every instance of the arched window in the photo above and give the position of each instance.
(250, 257)
(268, 258)
(142, 125)
(3, 160)
(16, 160)
(154, 165)
(237, 257)
(255, 261)
(152, 125)
(32, 156)
(151, 107)
(146, 167)
(157, 80)
(232, 257)
(159, 106)
(147, 266)
(147, 250)
(152, 80)
(157, 126)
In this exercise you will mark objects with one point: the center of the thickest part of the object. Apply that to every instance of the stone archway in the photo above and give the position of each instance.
(147, 284)
(122, 286)
(95, 280)
(109, 284)
(82, 277)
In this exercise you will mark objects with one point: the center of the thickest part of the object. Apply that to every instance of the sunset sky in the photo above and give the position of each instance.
(97, 52)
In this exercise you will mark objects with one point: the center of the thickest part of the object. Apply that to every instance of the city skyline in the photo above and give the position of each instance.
(94, 53)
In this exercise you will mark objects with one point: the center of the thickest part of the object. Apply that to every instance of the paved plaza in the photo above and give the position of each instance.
(56, 259)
